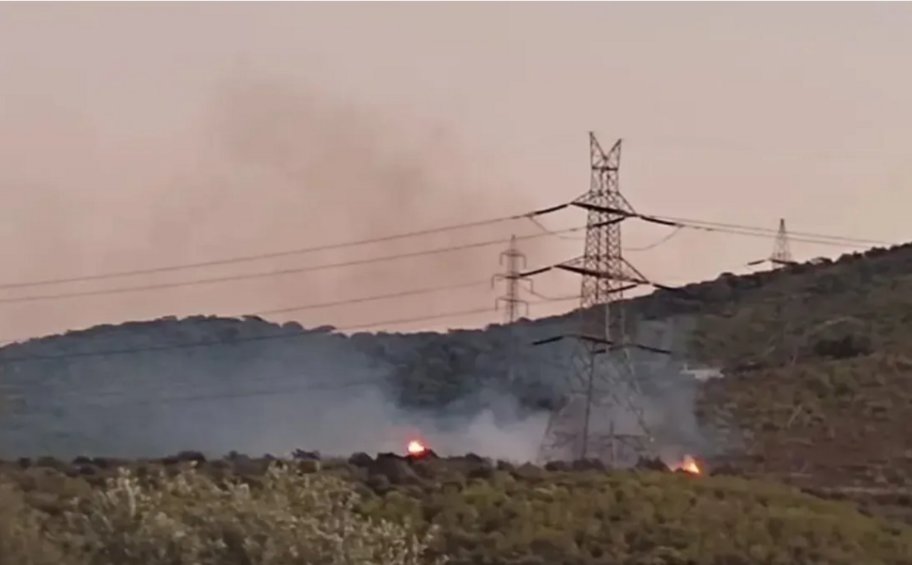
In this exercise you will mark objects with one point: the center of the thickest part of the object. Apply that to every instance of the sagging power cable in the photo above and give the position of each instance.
(273, 273)
(282, 253)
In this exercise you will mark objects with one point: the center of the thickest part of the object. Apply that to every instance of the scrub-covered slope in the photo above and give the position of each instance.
(483, 513)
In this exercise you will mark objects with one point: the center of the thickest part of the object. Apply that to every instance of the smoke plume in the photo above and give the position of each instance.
(249, 163)
(313, 390)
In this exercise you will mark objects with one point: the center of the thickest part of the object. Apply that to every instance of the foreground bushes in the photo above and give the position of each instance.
(535, 517)
(384, 511)
(286, 519)
(21, 541)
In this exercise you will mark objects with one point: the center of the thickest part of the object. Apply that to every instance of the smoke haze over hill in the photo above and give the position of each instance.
(311, 390)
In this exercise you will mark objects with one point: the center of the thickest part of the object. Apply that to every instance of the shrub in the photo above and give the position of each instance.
(21, 537)
(514, 516)
(188, 518)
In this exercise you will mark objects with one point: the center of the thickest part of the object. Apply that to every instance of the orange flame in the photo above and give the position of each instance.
(688, 465)
(415, 447)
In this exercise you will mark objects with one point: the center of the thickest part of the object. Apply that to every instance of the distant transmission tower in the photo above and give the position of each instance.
(515, 260)
(603, 383)
(782, 255)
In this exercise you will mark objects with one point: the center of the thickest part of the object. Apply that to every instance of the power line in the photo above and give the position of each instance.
(733, 229)
(545, 229)
(704, 225)
(657, 243)
(266, 255)
(333, 303)
(749, 233)
(811, 237)
(343, 302)
(556, 234)
(273, 273)
(753, 231)
(679, 223)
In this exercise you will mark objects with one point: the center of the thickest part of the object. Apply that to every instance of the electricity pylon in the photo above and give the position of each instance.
(514, 257)
(603, 382)
(782, 254)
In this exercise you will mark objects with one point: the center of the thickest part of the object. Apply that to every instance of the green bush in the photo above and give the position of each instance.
(507, 517)
(287, 519)
(632, 518)
(22, 539)
(187, 518)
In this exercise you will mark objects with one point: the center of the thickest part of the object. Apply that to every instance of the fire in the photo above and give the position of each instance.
(415, 447)
(688, 465)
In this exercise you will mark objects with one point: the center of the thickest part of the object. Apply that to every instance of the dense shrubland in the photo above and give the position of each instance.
(188, 517)
(390, 510)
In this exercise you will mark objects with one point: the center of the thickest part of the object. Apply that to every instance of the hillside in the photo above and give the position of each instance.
(817, 362)
(823, 380)
(216, 385)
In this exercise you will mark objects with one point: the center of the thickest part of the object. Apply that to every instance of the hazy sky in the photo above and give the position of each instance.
(138, 135)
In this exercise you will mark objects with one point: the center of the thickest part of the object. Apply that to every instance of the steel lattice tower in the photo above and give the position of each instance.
(603, 381)
(514, 259)
(782, 254)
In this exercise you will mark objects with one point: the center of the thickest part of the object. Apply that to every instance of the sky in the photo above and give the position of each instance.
(137, 135)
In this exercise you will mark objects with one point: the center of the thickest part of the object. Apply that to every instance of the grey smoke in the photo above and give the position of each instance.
(252, 162)
(301, 165)
(315, 392)
(321, 391)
